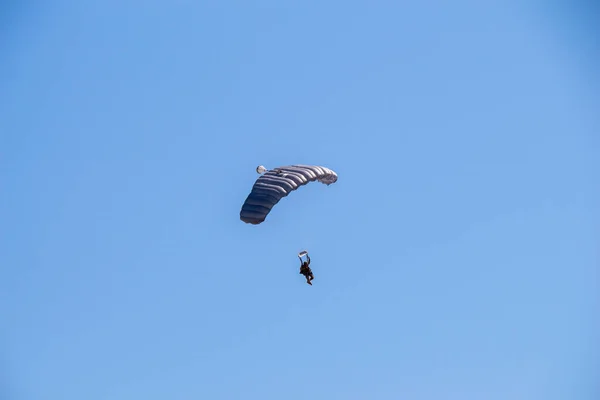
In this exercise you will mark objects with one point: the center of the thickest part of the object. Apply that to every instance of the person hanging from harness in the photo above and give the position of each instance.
(305, 269)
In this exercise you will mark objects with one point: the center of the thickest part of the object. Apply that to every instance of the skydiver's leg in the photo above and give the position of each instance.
(306, 277)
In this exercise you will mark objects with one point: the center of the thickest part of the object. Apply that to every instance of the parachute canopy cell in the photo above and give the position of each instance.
(276, 184)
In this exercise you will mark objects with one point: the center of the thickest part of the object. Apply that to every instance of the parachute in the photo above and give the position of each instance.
(276, 184)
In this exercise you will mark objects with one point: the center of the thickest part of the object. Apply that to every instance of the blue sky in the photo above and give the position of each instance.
(455, 258)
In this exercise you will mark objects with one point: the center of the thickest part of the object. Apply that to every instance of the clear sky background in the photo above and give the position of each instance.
(455, 258)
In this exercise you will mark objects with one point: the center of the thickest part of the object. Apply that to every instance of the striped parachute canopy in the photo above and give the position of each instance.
(276, 184)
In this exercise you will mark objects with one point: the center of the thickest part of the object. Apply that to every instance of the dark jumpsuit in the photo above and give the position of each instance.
(306, 271)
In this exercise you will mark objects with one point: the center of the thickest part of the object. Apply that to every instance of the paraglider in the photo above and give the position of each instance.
(275, 184)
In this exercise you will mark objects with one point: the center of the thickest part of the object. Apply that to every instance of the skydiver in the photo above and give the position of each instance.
(305, 270)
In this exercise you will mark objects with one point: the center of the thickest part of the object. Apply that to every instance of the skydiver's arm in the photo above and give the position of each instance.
(308, 259)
